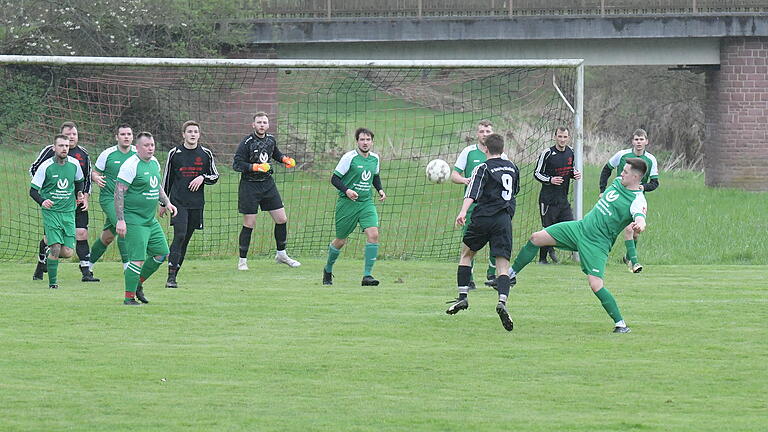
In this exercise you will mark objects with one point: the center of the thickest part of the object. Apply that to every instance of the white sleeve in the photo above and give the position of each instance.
(79, 173)
(654, 166)
(101, 161)
(639, 206)
(614, 160)
(128, 170)
(39, 178)
(461, 160)
(343, 166)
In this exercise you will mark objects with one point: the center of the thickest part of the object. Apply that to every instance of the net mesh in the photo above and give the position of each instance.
(416, 115)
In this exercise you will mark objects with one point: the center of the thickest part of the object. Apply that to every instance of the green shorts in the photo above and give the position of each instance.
(593, 253)
(468, 218)
(350, 213)
(59, 227)
(142, 241)
(110, 218)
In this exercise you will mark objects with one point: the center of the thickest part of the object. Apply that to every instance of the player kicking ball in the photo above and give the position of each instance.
(493, 187)
(621, 207)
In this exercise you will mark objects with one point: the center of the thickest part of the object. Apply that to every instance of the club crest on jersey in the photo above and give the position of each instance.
(263, 157)
(366, 175)
(611, 196)
(153, 182)
(62, 183)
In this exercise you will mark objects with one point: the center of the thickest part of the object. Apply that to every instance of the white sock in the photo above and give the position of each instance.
(620, 324)
(125, 266)
(512, 273)
(243, 260)
(281, 253)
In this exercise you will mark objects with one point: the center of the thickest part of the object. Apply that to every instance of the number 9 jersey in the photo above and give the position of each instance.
(493, 186)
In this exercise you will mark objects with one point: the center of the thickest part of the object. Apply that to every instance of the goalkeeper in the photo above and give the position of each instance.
(257, 188)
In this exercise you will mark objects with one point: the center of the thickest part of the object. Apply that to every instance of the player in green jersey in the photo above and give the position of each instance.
(137, 191)
(105, 175)
(470, 157)
(621, 207)
(356, 174)
(649, 183)
(56, 186)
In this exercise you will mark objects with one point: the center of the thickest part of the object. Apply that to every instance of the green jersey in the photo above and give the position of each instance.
(109, 163)
(143, 180)
(357, 173)
(620, 159)
(56, 182)
(469, 158)
(613, 212)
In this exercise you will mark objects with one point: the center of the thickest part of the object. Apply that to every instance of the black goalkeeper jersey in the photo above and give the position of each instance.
(554, 163)
(183, 166)
(493, 186)
(253, 149)
(77, 152)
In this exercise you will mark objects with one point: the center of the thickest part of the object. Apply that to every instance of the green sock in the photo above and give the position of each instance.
(53, 271)
(609, 304)
(525, 256)
(491, 266)
(371, 251)
(97, 250)
(131, 274)
(123, 249)
(333, 254)
(149, 268)
(631, 251)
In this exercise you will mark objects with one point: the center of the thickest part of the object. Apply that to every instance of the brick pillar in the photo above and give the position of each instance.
(736, 149)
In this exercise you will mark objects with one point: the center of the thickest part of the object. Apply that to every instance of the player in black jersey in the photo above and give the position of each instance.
(493, 186)
(555, 171)
(257, 188)
(188, 169)
(69, 129)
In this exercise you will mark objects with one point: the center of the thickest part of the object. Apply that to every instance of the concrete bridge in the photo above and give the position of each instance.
(730, 47)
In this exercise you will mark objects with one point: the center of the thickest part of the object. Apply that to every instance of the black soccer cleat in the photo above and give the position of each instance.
(456, 306)
(39, 270)
(131, 302)
(471, 285)
(171, 282)
(88, 277)
(369, 281)
(328, 278)
(621, 330)
(491, 282)
(506, 320)
(140, 294)
(553, 256)
(53, 286)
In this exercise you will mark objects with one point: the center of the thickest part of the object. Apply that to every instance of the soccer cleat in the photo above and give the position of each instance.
(327, 278)
(491, 282)
(621, 330)
(285, 259)
(53, 286)
(456, 306)
(553, 256)
(471, 285)
(506, 320)
(171, 282)
(140, 294)
(242, 264)
(636, 267)
(88, 277)
(39, 270)
(131, 302)
(369, 281)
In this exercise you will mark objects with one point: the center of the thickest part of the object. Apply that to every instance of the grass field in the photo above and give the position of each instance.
(272, 349)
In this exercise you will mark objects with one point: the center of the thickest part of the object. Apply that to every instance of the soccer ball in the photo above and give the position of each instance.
(438, 171)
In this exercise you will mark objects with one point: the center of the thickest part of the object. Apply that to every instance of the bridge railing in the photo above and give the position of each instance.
(277, 9)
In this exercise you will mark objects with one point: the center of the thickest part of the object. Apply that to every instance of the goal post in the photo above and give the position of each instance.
(418, 110)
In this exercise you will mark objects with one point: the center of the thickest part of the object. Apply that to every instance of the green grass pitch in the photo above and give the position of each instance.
(273, 350)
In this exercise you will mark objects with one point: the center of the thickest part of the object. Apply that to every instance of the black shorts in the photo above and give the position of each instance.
(81, 218)
(252, 195)
(496, 230)
(186, 217)
(554, 213)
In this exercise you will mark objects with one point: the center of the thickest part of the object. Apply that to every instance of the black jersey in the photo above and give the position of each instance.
(493, 186)
(183, 166)
(554, 163)
(77, 152)
(253, 149)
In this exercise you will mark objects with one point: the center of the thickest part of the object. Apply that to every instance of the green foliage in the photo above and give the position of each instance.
(22, 97)
(273, 350)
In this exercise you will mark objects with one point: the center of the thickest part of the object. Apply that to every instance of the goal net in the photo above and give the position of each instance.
(418, 111)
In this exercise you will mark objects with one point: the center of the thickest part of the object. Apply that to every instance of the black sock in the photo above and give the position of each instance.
(281, 236)
(41, 250)
(543, 253)
(463, 276)
(245, 241)
(84, 254)
(502, 284)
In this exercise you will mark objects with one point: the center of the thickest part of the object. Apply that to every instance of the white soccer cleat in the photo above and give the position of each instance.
(242, 264)
(285, 259)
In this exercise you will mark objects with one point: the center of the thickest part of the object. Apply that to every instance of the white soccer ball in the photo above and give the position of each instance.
(438, 171)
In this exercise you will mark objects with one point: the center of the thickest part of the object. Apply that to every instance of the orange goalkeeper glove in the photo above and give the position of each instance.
(260, 167)
(289, 162)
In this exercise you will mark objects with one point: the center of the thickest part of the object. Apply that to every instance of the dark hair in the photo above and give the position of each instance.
(260, 114)
(562, 129)
(60, 136)
(495, 144)
(67, 125)
(187, 124)
(363, 131)
(143, 134)
(638, 165)
(123, 126)
(640, 132)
